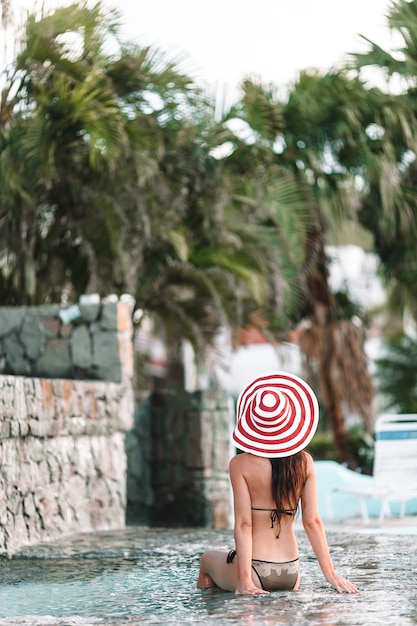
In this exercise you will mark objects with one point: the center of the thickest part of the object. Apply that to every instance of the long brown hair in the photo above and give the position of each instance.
(288, 477)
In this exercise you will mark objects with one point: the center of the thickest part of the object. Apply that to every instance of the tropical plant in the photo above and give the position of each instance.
(110, 183)
(303, 135)
(396, 374)
(217, 266)
(341, 132)
(78, 130)
(390, 208)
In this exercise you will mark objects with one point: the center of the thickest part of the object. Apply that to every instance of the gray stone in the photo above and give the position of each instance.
(28, 506)
(53, 483)
(40, 429)
(32, 336)
(46, 310)
(81, 347)
(56, 358)
(5, 430)
(15, 355)
(106, 358)
(109, 320)
(90, 312)
(24, 428)
(10, 319)
(19, 404)
(15, 429)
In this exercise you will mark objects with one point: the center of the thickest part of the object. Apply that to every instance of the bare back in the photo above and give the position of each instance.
(255, 474)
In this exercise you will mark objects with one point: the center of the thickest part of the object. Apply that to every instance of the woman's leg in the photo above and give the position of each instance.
(215, 571)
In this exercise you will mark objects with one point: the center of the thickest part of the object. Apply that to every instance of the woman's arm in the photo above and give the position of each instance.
(242, 529)
(315, 532)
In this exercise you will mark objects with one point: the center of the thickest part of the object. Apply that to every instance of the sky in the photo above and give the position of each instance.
(222, 41)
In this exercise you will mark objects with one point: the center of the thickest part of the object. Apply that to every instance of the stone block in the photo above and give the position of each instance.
(10, 319)
(14, 500)
(24, 428)
(56, 358)
(32, 336)
(29, 509)
(19, 404)
(44, 311)
(35, 449)
(90, 312)
(106, 358)
(47, 408)
(108, 318)
(51, 326)
(33, 392)
(81, 348)
(16, 359)
(5, 429)
(19, 534)
(65, 330)
(15, 429)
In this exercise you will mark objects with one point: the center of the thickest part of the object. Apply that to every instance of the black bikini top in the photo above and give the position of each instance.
(276, 515)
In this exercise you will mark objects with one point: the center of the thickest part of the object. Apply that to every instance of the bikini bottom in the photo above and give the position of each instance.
(274, 576)
(277, 576)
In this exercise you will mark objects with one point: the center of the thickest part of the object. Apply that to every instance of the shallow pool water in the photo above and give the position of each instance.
(148, 576)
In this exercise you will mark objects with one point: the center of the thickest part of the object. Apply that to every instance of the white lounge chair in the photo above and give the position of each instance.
(394, 477)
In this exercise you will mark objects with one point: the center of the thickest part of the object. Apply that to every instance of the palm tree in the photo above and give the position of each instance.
(110, 184)
(299, 136)
(393, 180)
(77, 129)
(216, 266)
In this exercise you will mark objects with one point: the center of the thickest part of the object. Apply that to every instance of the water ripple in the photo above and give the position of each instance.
(148, 576)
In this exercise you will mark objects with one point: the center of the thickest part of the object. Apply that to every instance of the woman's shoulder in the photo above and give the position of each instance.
(238, 466)
(309, 463)
(239, 460)
(245, 459)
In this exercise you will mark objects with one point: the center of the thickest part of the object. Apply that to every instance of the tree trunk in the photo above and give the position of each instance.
(325, 343)
(330, 391)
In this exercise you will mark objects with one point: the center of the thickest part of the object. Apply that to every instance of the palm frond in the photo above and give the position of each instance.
(396, 374)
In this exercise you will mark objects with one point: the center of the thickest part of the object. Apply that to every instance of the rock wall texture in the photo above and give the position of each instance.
(62, 441)
(75, 453)
(178, 456)
(78, 341)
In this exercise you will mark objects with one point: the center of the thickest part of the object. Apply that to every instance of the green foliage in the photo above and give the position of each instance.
(110, 184)
(396, 374)
(111, 179)
(389, 208)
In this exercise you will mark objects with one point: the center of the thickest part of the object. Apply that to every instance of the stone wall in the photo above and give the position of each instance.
(62, 448)
(178, 457)
(77, 341)
(75, 456)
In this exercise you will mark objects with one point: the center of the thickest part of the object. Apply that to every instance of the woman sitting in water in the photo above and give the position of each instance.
(277, 416)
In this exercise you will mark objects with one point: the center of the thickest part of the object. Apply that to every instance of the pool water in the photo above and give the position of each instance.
(148, 576)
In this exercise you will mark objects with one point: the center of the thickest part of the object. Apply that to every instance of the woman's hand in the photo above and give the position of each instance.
(341, 584)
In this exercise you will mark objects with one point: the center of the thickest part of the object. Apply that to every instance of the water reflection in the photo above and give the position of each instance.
(148, 576)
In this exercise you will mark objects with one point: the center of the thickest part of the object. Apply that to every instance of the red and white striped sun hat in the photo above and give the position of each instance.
(277, 415)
